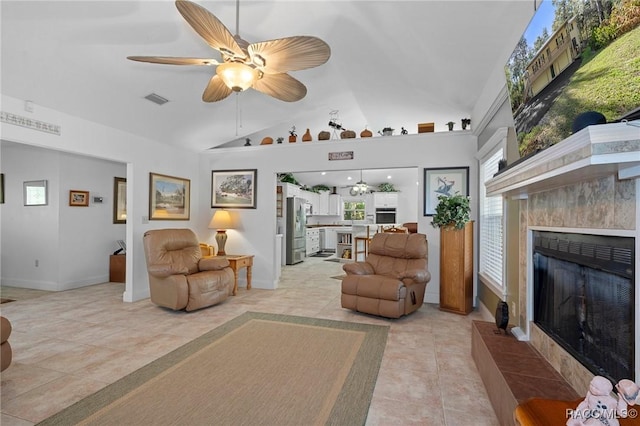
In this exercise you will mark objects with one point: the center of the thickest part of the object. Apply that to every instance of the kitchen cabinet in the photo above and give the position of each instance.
(323, 203)
(335, 205)
(385, 199)
(314, 199)
(290, 190)
(328, 239)
(313, 241)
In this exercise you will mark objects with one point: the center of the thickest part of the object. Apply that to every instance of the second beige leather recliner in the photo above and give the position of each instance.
(179, 277)
(391, 282)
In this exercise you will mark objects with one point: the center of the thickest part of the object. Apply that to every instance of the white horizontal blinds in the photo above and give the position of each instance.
(491, 212)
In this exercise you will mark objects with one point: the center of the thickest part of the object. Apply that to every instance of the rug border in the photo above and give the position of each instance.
(350, 404)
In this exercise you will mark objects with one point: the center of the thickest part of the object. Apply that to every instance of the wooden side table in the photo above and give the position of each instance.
(237, 262)
(117, 268)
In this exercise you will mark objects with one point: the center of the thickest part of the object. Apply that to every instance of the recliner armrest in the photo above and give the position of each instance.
(417, 275)
(358, 268)
(212, 263)
(163, 270)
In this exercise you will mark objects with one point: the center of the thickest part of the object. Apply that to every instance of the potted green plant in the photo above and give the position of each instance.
(450, 125)
(465, 122)
(452, 211)
(293, 136)
(386, 187)
(452, 216)
(387, 131)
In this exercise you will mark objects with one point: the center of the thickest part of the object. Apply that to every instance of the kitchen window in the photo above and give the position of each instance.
(354, 210)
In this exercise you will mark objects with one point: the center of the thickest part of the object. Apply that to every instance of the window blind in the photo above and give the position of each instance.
(491, 223)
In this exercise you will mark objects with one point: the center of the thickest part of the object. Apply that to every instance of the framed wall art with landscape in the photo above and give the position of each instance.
(443, 181)
(169, 197)
(119, 200)
(78, 198)
(233, 188)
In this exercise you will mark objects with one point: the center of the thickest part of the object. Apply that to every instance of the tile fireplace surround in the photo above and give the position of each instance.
(586, 184)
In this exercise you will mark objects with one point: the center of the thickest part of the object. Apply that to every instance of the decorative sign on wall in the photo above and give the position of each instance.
(344, 155)
(29, 123)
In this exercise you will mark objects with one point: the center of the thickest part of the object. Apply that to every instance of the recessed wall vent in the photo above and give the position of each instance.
(156, 99)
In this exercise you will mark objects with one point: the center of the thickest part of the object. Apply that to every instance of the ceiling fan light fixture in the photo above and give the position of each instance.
(237, 76)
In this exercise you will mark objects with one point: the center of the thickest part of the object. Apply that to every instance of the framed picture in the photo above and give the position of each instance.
(119, 200)
(443, 181)
(234, 188)
(169, 197)
(35, 193)
(78, 198)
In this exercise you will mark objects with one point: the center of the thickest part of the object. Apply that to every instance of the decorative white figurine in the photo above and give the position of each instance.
(599, 407)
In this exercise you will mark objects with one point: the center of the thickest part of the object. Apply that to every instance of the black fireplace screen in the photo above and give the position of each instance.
(584, 299)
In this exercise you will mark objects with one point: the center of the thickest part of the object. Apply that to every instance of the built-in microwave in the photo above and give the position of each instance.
(385, 215)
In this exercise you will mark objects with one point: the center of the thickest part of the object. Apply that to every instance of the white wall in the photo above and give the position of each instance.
(257, 235)
(141, 155)
(70, 244)
(440, 149)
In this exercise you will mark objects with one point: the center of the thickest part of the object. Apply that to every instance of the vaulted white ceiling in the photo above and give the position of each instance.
(393, 63)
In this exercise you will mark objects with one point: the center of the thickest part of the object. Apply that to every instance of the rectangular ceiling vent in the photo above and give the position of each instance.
(156, 99)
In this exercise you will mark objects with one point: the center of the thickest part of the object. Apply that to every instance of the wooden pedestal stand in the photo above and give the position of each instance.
(456, 269)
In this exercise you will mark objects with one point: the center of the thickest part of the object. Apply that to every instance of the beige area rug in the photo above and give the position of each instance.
(257, 369)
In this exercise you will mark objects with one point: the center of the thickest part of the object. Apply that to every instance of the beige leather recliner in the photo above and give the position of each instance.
(179, 276)
(391, 282)
(5, 347)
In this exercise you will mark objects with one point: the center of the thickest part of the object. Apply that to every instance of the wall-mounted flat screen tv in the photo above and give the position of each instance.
(574, 57)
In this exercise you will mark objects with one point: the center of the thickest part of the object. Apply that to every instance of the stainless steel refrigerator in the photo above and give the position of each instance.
(296, 231)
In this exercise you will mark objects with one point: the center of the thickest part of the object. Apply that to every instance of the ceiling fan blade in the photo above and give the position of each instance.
(289, 54)
(210, 28)
(281, 86)
(169, 60)
(216, 90)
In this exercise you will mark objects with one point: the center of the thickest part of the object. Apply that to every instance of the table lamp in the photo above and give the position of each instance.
(221, 221)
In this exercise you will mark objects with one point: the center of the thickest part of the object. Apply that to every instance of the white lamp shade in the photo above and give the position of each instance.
(221, 220)
(237, 76)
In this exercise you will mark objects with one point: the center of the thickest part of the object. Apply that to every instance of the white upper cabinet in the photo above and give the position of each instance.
(385, 199)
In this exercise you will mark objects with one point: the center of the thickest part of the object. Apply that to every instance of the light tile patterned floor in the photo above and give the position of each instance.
(70, 344)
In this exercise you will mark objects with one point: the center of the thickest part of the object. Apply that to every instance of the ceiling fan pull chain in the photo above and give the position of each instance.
(237, 112)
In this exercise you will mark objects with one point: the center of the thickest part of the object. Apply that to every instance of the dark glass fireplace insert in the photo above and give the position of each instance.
(584, 298)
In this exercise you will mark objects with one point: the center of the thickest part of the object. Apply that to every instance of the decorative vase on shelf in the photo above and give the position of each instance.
(307, 136)
(450, 125)
(267, 141)
(347, 134)
(292, 138)
(366, 133)
(324, 135)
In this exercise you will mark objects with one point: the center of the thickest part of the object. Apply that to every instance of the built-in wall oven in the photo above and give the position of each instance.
(386, 215)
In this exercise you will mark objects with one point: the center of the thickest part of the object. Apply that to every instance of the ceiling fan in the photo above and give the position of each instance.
(360, 187)
(262, 66)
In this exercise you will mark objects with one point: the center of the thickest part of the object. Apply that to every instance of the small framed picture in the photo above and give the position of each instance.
(233, 189)
(119, 200)
(443, 181)
(169, 197)
(78, 198)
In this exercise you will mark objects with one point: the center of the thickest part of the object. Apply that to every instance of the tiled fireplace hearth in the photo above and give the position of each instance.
(587, 184)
